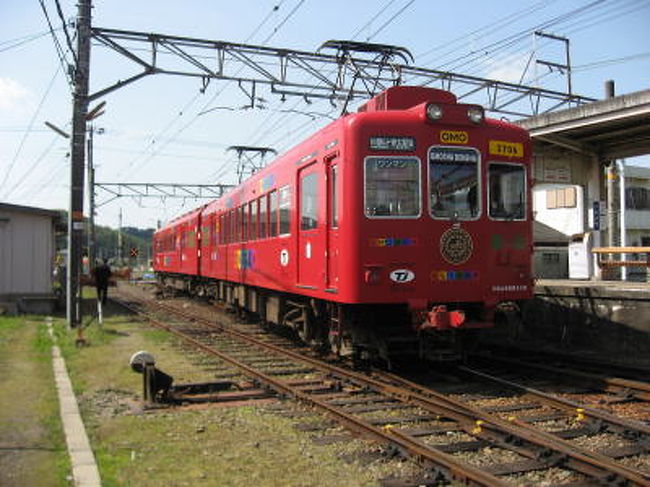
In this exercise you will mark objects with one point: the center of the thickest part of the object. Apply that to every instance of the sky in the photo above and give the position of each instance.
(165, 129)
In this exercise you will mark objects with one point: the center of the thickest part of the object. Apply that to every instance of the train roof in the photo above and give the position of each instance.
(181, 219)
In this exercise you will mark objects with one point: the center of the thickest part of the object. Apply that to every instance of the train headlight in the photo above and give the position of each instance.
(434, 112)
(475, 114)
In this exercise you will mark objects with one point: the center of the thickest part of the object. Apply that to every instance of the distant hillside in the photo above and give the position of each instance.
(132, 238)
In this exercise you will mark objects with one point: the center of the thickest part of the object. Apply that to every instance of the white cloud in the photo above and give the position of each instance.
(509, 68)
(11, 93)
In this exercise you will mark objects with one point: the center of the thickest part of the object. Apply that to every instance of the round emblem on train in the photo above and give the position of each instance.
(456, 245)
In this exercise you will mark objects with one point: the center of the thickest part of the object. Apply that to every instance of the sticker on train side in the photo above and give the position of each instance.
(503, 148)
(402, 275)
(454, 137)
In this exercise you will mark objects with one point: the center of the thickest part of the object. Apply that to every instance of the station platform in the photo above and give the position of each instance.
(607, 287)
(606, 319)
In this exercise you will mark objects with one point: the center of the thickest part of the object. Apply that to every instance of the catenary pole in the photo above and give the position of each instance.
(91, 199)
(78, 146)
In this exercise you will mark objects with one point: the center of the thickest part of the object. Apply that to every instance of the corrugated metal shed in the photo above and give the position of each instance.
(27, 249)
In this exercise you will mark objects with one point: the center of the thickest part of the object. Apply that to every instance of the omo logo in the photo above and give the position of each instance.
(454, 136)
(402, 275)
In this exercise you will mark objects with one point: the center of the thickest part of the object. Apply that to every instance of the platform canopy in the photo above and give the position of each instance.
(614, 128)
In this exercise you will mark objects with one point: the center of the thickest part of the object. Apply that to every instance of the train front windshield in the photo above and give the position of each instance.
(507, 191)
(393, 186)
(454, 183)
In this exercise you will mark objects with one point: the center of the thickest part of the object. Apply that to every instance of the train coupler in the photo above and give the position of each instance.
(440, 318)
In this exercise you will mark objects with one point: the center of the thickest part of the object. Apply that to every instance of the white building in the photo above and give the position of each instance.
(561, 206)
(637, 206)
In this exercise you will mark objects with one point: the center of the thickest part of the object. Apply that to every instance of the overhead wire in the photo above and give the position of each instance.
(474, 60)
(46, 188)
(482, 52)
(616, 11)
(390, 20)
(373, 18)
(584, 17)
(57, 45)
(218, 93)
(269, 129)
(225, 167)
(612, 61)
(21, 145)
(32, 167)
(488, 28)
(14, 43)
(65, 30)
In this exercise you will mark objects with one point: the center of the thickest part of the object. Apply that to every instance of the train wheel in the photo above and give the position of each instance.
(305, 328)
(298, 318)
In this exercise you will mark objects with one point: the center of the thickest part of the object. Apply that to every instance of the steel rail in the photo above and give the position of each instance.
(474, 421)
(639, 390)
(623, 425)
(565, 404)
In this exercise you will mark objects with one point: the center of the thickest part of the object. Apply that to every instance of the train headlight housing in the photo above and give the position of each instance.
(434, 112)
(475, 114)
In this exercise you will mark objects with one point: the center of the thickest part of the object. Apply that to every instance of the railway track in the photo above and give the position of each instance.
(598, 377)
(450, 439)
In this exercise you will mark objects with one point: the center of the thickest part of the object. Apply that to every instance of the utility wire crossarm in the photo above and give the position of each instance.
(314, 75)
(161, 190)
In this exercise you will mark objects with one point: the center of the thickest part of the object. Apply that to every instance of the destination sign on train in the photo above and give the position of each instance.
(396, 143)
(445, 154)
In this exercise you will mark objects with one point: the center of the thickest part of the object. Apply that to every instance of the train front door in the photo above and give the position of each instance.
(311, 245)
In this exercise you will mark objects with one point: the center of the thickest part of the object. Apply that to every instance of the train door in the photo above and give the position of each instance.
(311, 245)
(332, 251)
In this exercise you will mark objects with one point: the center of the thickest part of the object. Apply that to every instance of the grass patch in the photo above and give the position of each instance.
(33, 445)
(235, 446)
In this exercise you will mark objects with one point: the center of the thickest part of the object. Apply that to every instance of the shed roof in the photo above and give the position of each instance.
(29, 209)
(543, 234)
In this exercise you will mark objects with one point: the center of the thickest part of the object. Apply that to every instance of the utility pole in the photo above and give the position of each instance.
(75, 213)
(612, 207)
(91, 200)
(119, 241)
(612, 202)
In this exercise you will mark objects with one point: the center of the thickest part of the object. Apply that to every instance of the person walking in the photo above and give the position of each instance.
(102, 274)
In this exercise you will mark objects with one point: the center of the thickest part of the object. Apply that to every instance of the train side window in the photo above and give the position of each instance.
(206, 236)
(507, 191)
(285, 210)
(334, 202)
(263, 202)
(454, 189)
(191, 239)
(273, 213)
(243, 218)
(309, 201)
(232, 226)
(392, 187)
(253, 219)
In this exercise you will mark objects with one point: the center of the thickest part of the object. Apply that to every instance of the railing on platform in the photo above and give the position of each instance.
(607, 262)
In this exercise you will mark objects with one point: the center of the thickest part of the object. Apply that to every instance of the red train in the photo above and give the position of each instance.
(397, 228)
